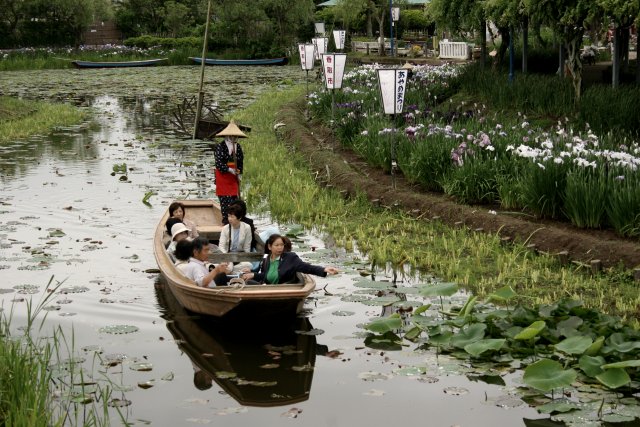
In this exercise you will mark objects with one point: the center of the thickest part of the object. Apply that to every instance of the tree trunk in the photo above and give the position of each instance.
(637, 63)
(525, 44)
(561, 60)
(624, 53)
(381, 29)
(615, 59)
(504, 43)
(369, 24)
(574, 64)
(483, 43)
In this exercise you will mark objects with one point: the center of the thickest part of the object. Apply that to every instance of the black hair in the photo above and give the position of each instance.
(198, 243)
(184, 250)
(170, 223)
(271, 240)
(174, 207)
(235, 211)
(242, 205)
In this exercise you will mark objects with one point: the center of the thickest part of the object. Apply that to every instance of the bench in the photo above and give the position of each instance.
(454, 50)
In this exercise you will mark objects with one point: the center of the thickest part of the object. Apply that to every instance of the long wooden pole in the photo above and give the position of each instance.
(204, 57)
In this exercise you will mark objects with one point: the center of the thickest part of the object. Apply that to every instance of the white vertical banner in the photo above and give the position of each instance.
(307, 56)
(393, 83)
(333, 65)
(395, 13)
(339, 37)
(319, 28)
(321, 45)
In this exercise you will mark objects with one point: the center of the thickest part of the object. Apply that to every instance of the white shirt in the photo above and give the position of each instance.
(196, 270)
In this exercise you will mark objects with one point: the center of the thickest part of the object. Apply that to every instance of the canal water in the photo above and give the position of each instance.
(69, 219)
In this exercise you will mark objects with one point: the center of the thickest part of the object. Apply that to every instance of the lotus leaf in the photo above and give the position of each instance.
(373, 285)
(421, 309)
(382, 301)
(574, 345)
(624, 364)
(614, 377)
(617, 342)
(439, 289)
(557, 406)
(387, 341)
(568, 327)
(503, 294)
(479, 347)
(531, 331)
(469, 335)
(385, 324)
(468, 307)
(413, 334)
(546, 375)
(591, 366)
(595, 347)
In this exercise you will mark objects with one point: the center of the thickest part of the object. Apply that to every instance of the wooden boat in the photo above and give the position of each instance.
(235, 359)
(121, 64)
(269, 61)
(219, 301)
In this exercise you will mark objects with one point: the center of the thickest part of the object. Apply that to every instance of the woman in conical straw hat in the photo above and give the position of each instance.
(229, 167)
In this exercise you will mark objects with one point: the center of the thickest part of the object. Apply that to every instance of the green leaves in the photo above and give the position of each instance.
(468, 335)
(479, 347)
(531, 331)
(614, 378)
(385, 324)
(546, 375)
(574, 345)
(439, 289)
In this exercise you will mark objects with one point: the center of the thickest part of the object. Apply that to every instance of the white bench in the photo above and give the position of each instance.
(454, 50)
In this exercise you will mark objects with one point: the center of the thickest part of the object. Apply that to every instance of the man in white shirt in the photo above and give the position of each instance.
(197, 269)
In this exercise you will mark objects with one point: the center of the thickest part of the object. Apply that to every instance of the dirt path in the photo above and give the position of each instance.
(345, 171)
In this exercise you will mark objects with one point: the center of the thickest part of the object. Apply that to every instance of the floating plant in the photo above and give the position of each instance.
(141, 366)
(119, 329)
(27, 289)
(74, 290)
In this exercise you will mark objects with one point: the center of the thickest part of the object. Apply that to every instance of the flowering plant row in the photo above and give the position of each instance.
(462, 149)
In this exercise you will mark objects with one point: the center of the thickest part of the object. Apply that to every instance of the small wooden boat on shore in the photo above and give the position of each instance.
(120, 64)
(241, 62)
(235, 358)
(219, 301)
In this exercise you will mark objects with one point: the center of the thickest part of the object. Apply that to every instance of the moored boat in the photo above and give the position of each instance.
(219, 301)
(119, 64)
(268, 61)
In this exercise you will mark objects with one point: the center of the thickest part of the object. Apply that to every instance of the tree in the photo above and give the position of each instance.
(568, 19)
(12, 12)
(177, 17)
(622, 14)
(348, 11)
(462, 17)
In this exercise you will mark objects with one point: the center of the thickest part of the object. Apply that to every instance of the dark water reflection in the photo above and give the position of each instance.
(63, 214)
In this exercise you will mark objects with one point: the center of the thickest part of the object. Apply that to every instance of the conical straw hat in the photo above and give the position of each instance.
(232, 130)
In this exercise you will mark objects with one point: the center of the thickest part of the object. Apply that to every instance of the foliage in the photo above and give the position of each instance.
(146, 42)
(607, 109)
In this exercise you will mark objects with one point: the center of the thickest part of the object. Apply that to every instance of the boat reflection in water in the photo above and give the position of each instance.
(264, 364)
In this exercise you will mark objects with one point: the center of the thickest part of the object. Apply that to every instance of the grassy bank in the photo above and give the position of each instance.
(20, 119)
(282, 183)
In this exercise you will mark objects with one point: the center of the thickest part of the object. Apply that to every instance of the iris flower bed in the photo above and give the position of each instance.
(464, 150)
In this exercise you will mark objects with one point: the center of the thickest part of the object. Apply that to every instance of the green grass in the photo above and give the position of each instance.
(280, 182)
(20, 118)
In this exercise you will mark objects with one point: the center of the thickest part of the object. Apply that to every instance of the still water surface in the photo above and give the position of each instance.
(64, 215)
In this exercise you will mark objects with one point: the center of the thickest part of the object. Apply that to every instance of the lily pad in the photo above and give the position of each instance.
(373, 285)
(119, 329)
(468, 335)
(531, 331)
(574, 345)
(385, 324)
(484, 345)
(559, 406)
(439, 289)
(142, 367)
(546, 375)
(614, 377)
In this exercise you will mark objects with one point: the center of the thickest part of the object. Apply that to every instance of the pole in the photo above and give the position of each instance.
(204, 56)
(333, 112)
(391, 24)
(393, 152)
(235, 162)
(511, 55)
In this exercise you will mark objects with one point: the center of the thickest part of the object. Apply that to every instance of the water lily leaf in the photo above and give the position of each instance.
(146, 384)
(545, 375)
(574, 345)
(119, 329)
(488, 379)
(469, 335)
(382, 301)
(388, 341)
(595, 347)
(568, 327)
(468, 307)
(421, 309)
(443, 339)
(618, 342)
(373, 285)
(591, 366)
(411, 371)
(557, 406)
(142, 367)
(531, 331)
(624, 364)
(413, 333)
(503, 294)
(374, 376)
(481, 346)
(614, 377)
(169, 376)
(343, 313)
(439, 290)
(385, 324)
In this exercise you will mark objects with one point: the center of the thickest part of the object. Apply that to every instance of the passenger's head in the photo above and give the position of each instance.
(234, 214)
(202, 380)
(274, 245)
(288, 246)
(170, 223)
(200, 248)
(177, 210)
(179, 231)
(184, 249)
(242, 206)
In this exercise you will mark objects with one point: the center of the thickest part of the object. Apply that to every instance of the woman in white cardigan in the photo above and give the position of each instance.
(236, 235)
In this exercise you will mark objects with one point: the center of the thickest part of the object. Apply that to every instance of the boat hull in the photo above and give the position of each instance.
(220, 301)
(242, 62)
(122, 64)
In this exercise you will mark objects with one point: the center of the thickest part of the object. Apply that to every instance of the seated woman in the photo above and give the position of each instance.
(235, 236)
(179, 232)
(184, 249)
(177, 210)
(279, 266)
(242, 216)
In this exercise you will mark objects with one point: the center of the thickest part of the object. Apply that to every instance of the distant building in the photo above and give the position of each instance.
(413, 4)
(101, 33)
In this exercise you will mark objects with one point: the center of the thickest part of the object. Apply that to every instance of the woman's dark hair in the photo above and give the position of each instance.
(271, 240)
(174, 207)
(184, 250)
(242, 205)
(198, 243)
(288, 246)
(170, 223)
(235, 211)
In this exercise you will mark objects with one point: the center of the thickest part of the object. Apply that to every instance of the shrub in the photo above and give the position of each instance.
(623, 202)
(606, 109)
(585, 197)
(146, 42)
